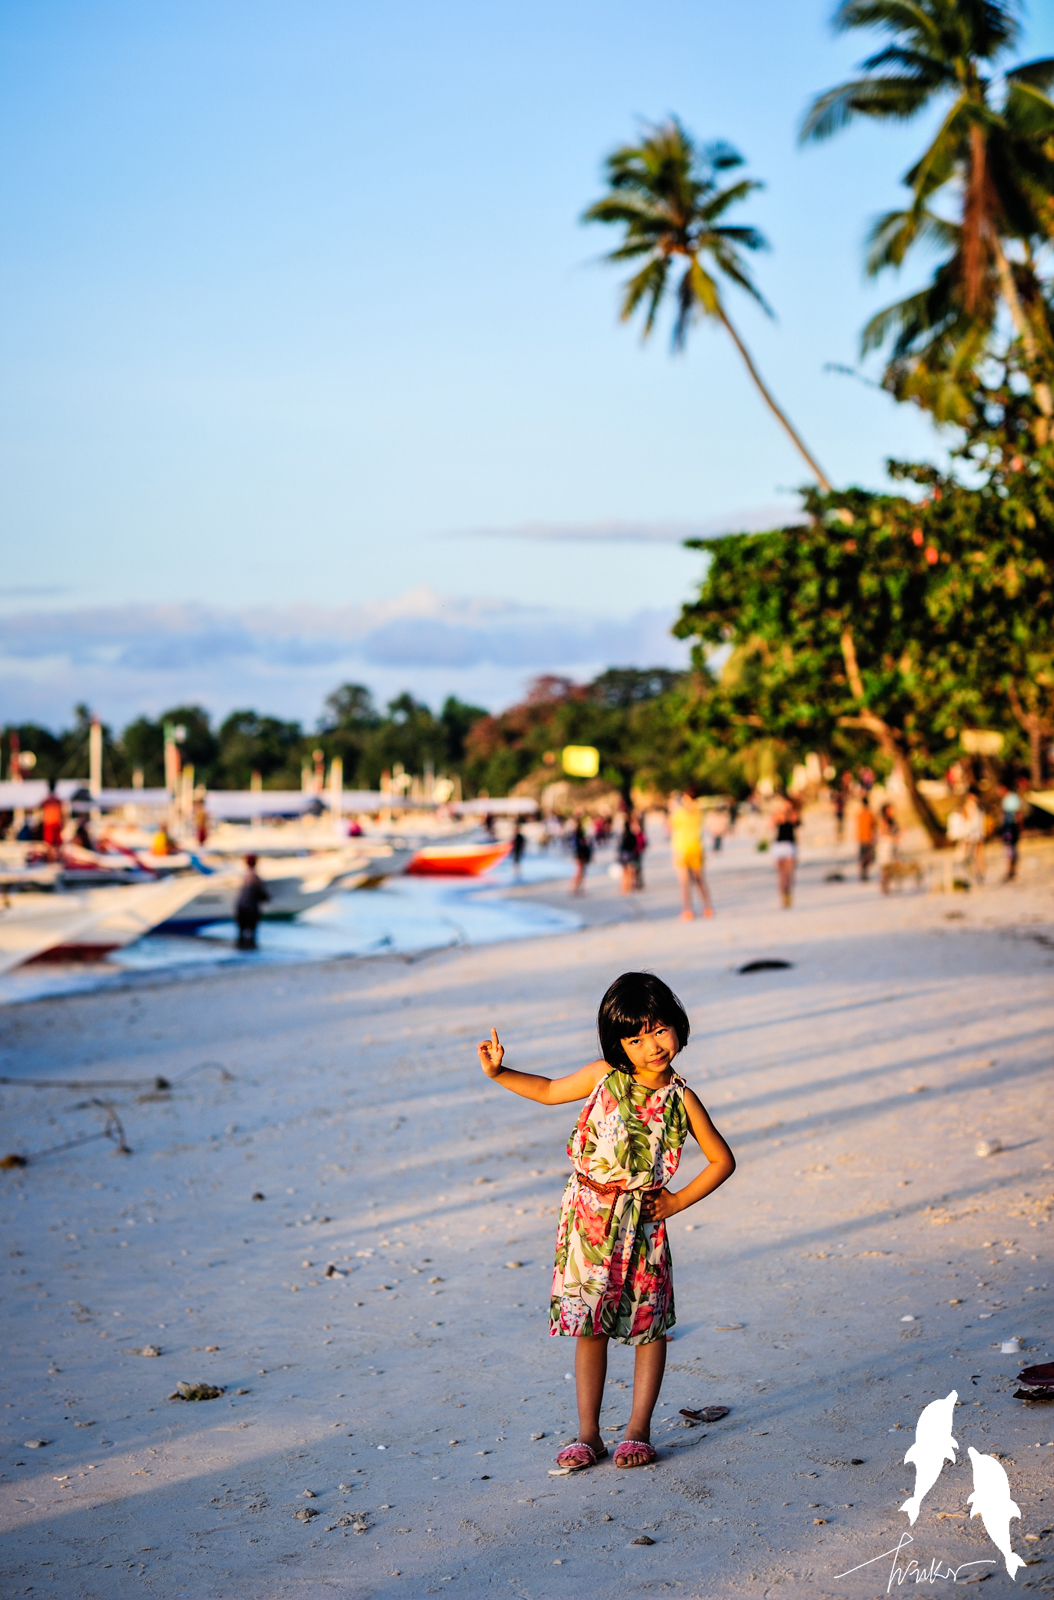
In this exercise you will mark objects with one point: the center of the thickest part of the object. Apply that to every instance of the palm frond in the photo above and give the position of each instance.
(1036, 74)
(648, 285)
(893, 234)
(1029, 112)
(915, 63)
(893, 98)
(945, 153)
(896, 16)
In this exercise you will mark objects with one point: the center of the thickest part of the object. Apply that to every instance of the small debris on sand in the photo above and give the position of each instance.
(306, 1515)
(706, 1414)
(146, 1350)
(642, 1538)
(258, 1195)
(514, 1263)
(35, 1444)
(987, 1147)
(196, 1391)
(764, 966)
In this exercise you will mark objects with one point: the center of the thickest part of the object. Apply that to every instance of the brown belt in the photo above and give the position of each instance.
(609, 1191)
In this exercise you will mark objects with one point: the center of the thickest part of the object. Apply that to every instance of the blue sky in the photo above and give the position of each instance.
(299, 333)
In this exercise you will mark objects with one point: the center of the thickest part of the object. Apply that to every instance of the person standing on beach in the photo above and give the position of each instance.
(974, 835)
(251, 896)
(785, 849)
(582, 846)
(519, 845)
(613, 1277)
(1010, 828)
(686, 841)
(629, 853)
(888, 846)
(52, 817)
(865, 837)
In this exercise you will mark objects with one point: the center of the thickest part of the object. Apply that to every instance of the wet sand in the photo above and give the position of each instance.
(853, 1087)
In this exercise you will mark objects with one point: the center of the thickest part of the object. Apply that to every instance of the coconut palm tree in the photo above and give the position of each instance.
(665, 192)
(991, 155)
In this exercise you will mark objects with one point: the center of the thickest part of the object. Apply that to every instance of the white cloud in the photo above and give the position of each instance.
(755, 519)
(123, 660)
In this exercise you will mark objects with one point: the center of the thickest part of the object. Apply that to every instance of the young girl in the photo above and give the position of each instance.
(613, 1276)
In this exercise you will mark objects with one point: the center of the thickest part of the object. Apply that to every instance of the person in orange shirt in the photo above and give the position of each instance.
(52, 817)
(865, 837)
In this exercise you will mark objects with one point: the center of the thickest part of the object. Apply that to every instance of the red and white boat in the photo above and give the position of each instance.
(457, 860)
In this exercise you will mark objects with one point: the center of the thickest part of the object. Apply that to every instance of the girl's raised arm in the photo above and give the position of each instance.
(547, 1091)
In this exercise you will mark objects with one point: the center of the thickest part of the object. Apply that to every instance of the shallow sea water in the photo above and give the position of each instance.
(402, 917)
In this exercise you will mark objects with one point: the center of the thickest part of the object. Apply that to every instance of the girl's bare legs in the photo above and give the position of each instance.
(785, 878)
(591, 1366)
(648, 1368)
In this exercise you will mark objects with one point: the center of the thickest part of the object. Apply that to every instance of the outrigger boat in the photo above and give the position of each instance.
(91, 925)
(457, 860)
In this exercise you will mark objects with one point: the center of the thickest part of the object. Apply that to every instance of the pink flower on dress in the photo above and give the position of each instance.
(643, 1320)
(590, 1222)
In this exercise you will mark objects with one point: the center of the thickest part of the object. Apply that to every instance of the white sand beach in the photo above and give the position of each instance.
(416, 1402)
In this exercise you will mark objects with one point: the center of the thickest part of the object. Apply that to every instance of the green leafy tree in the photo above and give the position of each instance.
(142, 745)
(37, 741)
(347, 725)
(249, 742)
(666, 194)
(458, 719)
(900, 620)
(991, 161)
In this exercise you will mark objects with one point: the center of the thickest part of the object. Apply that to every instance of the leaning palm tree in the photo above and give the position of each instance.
(992, 156)
(666, 193)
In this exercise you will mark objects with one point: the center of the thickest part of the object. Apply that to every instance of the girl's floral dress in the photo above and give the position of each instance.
(613, 1273)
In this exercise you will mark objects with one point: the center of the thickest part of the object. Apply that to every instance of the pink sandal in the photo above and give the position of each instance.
(579, 1456)
(633, 1447)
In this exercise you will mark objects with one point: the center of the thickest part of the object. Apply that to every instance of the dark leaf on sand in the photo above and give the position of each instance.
(9, 1163)
(764, 966)
(257, 1195)
(1043, 1373)
(707, 1414)
(1034, 1394)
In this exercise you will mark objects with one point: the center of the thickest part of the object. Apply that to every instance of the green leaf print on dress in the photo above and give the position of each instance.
(613, 1272)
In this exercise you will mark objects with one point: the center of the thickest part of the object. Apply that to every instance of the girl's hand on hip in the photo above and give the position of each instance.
(657, 1205)
(491, 1054)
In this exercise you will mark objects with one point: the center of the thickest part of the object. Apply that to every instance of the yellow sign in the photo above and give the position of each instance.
(580, 760)
(981, 741)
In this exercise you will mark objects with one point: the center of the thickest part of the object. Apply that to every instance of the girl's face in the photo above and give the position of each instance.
(653, 1048)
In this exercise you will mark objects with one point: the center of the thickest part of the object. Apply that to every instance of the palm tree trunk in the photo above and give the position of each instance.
(821, 477)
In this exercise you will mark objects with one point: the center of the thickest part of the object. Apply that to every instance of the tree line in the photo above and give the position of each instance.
(249, 746)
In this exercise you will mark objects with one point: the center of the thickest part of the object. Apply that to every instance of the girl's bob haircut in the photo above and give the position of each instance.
(633, 1001)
